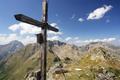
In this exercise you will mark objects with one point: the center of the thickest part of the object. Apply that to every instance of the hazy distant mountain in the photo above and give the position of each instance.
(10, 48)
(104, 44)
(95, 61)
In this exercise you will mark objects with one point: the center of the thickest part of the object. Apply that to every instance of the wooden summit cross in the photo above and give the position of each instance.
(42, 37)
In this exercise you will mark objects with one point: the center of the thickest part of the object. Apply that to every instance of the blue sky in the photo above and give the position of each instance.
(71, 16)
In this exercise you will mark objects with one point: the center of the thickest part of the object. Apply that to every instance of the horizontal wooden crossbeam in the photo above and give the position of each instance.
(26, 19)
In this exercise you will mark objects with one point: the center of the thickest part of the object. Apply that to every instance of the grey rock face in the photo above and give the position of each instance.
(10, 48)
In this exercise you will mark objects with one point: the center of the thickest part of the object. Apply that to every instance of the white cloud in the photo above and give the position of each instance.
(68, 38)
(77, 41)
(100, 40)
(28, 39)
(54, 25)
(54, 38)
(81, 19)
(54, 33)
(76, 38)
(99, 12)
(25, 33)
(25, 28)
(28, 29)
(14, 27)
(4, 39)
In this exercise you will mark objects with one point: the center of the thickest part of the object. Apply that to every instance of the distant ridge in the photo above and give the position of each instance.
(95, 61)
(10, 48)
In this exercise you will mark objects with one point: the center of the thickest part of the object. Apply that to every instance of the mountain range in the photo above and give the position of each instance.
(95, 61)
(10, 48)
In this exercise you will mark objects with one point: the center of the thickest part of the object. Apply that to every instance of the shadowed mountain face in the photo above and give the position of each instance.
(96, 61)
(10, 48)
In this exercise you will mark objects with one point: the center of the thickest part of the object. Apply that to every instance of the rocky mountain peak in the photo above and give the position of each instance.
(10, 48)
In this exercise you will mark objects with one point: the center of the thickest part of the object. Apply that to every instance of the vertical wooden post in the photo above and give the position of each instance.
(42, 37)
(44, 44)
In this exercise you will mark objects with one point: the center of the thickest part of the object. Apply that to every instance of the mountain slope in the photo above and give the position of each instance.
(26, 60)
(22, 62)
(10, 48)
(98, 63)
(95, 61)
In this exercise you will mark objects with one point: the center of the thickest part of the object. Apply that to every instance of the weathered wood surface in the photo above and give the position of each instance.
(26, 19)
(41, 37)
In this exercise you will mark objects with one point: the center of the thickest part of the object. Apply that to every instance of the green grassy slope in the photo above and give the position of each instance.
(95, 64)
(24, 61)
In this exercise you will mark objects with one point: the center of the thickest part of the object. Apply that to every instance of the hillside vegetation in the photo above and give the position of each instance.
(98, 61)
